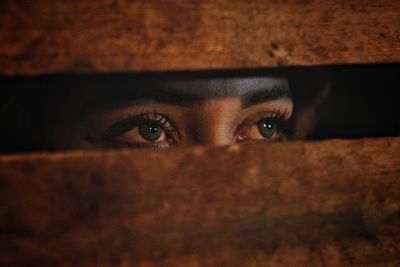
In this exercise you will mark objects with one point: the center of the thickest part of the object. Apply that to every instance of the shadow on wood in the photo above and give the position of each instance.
(333, 203)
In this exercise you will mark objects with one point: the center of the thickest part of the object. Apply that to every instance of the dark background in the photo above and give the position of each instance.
(363, 102)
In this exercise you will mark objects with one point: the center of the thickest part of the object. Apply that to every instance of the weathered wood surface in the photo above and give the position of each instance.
(333, 203)
(48, 36)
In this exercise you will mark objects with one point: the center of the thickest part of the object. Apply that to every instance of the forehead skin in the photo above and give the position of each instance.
(231, 87)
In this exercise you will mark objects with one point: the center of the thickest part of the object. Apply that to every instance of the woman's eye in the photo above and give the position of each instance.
(146, 134)
(147, 130)
(263, 130)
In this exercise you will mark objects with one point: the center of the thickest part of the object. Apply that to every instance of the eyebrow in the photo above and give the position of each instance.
(266, 95)
(169, 96)
(166, 96)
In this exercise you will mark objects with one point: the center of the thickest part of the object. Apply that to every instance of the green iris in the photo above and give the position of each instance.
(150, 131)
(267, 128)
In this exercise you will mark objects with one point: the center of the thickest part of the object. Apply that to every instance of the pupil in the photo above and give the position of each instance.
(150, 131)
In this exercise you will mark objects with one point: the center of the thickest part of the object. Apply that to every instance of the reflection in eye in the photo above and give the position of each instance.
(150, 129)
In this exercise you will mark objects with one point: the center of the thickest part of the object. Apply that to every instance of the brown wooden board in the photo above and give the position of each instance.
(40, 37)
(331, 203)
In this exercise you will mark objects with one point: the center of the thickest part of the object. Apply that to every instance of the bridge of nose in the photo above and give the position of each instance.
(215, 121)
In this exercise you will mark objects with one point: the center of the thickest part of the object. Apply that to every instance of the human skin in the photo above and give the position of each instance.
(186, 112)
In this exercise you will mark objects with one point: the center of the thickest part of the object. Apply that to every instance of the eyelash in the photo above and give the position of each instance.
(131, 122)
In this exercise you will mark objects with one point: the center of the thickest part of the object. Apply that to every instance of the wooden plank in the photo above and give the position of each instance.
(332, 203)
(39, 37)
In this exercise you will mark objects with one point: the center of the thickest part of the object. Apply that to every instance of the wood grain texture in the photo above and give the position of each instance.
(333, 203)
(39, 37)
